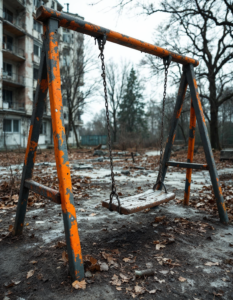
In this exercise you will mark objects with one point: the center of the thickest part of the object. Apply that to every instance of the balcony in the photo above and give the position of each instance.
(13, 106)
(13, 53)
(13, 79)
(18, 4)
(15, 27)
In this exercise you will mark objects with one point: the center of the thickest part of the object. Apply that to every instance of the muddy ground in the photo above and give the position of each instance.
(190, 251)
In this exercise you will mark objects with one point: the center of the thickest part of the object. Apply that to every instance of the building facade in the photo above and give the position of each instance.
(20, 50)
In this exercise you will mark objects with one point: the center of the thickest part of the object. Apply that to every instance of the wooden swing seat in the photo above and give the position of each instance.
(136, 203)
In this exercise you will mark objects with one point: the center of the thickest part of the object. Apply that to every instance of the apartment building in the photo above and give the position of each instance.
(20, 50)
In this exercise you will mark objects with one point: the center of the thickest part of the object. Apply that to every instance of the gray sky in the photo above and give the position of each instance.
(140, 27)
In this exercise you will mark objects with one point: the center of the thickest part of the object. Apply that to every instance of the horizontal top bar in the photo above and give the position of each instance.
(67, 21)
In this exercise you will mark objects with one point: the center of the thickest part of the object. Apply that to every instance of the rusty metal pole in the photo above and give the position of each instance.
(173, 126)
(191, 144)
(189, 70)
(30, 155)
(61, 154)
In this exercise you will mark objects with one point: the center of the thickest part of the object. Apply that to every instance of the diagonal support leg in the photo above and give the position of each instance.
(173, 125)
(30, 155)
(191, 144)
(61, 154)
(206, 143)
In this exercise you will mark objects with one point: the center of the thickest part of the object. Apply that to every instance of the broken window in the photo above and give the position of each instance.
(53, 4)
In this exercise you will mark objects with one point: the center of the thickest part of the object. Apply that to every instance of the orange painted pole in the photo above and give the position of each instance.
(61, 154)
(77, 24)
(191, 144)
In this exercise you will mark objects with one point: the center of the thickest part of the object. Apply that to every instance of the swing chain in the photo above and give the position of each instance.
(101, 42)
(166, 62)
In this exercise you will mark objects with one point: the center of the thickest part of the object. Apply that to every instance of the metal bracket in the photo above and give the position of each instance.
(167, 60)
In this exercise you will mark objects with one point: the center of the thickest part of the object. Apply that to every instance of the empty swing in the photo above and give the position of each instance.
(152, 197)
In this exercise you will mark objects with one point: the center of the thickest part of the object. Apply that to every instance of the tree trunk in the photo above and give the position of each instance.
(76, 136)
(214, 132)
(115, 127)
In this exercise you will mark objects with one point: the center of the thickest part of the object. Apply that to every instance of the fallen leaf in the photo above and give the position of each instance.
(158, 280)
(91, 263)
(82, 210)
(109, 258)
(10, 228)
(30, 274)
(182, 279)
(104, 267)
(210, 264)
(115, 280)
(92, 215)
(33, 262)
(119, 288)
(79, 284)
(159, 246)
(126, 259)
(60, 244)
(124, 278)
(64, 257)
(152, 292)
(139, 290)
(159, 219)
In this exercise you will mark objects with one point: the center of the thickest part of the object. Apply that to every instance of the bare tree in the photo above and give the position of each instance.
(77, 62)
(202, 29)
(116, 77)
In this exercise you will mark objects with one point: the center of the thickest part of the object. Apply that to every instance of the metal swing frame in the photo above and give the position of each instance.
(49, 79)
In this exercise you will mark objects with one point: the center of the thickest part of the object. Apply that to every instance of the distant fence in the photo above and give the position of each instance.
(93, 140)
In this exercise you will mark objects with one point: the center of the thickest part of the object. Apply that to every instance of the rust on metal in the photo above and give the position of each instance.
(191, 145)
(43, 190)
(44, 13)
(61, 153)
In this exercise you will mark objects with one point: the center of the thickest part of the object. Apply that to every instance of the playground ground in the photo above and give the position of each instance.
(190, 251)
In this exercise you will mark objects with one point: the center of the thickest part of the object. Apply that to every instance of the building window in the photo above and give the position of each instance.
(10, 125)
(38, 27)
(66, 38)
(7, 15)
(53, 4)
(7, 69)
(8, 97)
(43, 128)
(37, 3)
(7, 42)
(37, 50)
(35, 73)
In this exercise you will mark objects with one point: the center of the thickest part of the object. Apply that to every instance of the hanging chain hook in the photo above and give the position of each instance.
(101, 43)
(166, 61)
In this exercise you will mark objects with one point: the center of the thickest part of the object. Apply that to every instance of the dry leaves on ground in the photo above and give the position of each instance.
(30, 273)
(115, 280)
(64, 257)
(79, 284)
(210, 264)
(182, 279)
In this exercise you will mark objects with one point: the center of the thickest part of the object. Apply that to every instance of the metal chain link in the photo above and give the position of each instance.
(166, 62)
(101, 43)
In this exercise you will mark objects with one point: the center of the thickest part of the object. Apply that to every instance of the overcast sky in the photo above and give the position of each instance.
(140, 27)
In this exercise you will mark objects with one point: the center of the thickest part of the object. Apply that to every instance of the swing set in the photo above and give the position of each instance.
(49, 79)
